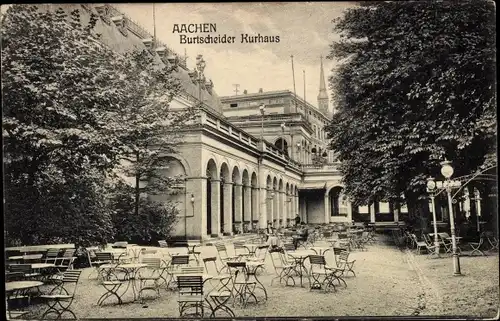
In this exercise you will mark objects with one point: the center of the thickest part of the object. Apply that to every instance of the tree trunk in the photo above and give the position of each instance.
(418, 213)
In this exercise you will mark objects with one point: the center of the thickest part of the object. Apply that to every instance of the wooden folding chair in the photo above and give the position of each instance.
(476, 246)
(151, 276)
(65, 262)
(190, 295)
(319, 269)
(344, 264)
(61, 297)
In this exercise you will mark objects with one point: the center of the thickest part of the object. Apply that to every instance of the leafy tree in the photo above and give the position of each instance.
(416, 86)
(73, 110)
(152, 223)
(150, 130)
(59, 94)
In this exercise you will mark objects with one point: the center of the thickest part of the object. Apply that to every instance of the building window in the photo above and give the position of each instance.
(233, 105)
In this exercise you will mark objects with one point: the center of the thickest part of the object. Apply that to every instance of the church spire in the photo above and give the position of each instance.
(323, 95)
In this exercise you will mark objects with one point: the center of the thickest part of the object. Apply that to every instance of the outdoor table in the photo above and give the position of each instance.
(252, 248)
(39, 248)
(46, 269)
(300, 257)
(20, 288)
(320, 250)
(251, 272)
(130, 270)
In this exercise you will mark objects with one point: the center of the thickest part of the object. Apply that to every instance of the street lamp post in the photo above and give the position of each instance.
(431, 187)
(447, 171)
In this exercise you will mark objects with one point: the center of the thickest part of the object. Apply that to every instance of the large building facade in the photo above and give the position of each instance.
(247, 160)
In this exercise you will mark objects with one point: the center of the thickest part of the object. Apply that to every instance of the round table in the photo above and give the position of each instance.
(130, 270)
(21, 285)
(20, 288)
(300, 258)
(320, 250)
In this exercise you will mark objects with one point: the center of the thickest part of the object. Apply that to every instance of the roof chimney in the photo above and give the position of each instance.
(260, 91)
(245, 92)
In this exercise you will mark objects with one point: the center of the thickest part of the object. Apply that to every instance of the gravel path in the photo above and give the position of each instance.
(388, 282)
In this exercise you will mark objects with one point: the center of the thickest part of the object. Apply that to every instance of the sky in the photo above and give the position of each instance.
(305, 31)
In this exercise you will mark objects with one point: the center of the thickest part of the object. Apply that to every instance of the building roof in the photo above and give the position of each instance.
(276, 93)
(130, 38)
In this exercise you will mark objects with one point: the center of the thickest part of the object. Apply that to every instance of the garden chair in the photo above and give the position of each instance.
(344, 240)
(191, 250)
(65, 262)
(447, 243)
(223, 255)
(419, 244)
(112, 285)
(14, 276)
(241, 250)
(26, 270)
(260, 255)
(243, 289)
(147, 253)
(52, 255)
(344, 264)
(282, 267)
(430, 246)
(220, 298)
(173, 268)
(191, 270)
(319, 269)
(492, 240)
(190, 295)
(103, 264)
(219, 282)
(151, 276)
(476, 246)
(288, 247)
(60, 298)
(206, 263)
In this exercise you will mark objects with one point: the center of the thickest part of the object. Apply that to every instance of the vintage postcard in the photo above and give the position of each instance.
(250, 160)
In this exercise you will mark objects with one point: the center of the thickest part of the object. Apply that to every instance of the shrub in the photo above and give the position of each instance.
(154, 221)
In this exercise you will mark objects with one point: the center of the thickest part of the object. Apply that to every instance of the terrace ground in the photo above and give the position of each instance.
(388, 282)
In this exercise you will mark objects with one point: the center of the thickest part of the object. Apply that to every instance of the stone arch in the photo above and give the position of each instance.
(245, 179)
(282, 144)
(211, 171)
(329, 188)
(236, 176)
(269, 182)
(338, 201)
(224, 173)
(237, 201)
(169, 166)
(253, 180)
(182, 161)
